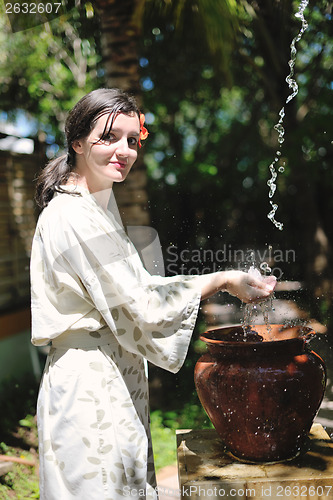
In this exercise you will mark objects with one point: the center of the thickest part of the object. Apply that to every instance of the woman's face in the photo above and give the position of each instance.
(103, 160)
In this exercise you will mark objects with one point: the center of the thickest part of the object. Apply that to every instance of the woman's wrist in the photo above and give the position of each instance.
(222, 281)
(213, 282)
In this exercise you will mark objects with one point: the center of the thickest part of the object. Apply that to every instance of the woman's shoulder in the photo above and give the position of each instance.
(68, 208)
(78, 213)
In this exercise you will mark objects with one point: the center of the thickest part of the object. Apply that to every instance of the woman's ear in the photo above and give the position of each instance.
(77, 146)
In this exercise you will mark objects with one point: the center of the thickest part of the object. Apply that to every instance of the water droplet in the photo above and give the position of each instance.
(265, 267)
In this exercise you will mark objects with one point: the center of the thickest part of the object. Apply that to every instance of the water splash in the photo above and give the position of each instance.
(279, 126)
(251, 310)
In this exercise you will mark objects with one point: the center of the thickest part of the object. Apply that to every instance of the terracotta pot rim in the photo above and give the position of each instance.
(303, 335)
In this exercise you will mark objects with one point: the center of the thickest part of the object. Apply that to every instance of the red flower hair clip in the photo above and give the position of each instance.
(143, 131)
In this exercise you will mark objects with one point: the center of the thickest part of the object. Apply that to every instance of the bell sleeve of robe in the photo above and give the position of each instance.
(87, 275)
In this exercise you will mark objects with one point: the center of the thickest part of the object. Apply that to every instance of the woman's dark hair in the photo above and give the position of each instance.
(80, 122)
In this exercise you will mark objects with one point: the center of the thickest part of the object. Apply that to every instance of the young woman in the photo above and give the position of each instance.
(104, 313)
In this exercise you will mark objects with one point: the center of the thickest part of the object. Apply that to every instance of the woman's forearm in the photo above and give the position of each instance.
(238, 283)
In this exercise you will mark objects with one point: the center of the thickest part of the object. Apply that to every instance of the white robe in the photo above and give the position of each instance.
(104, 314)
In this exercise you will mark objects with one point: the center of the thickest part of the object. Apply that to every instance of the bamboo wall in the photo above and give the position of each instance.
(17, 224)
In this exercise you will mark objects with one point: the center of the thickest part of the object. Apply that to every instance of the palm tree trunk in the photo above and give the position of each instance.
(120, 39)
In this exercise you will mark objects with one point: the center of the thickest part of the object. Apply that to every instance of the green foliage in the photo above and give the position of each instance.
(28, 421)
(46, 69)
(210, 146)
(164, 442)
(215, 24)
(164, 425)
(17, 401)
(21, 481)
(18, 437)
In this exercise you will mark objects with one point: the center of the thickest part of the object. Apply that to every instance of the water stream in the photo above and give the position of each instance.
(277, 165)
(251, 310)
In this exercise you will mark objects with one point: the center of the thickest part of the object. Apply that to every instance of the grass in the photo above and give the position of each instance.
(21, 482)
(18, 438)
(164, 426)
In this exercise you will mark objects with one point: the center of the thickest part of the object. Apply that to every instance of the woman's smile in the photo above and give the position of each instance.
(118, 164)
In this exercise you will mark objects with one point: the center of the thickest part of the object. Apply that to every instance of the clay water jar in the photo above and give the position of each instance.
(261, 391)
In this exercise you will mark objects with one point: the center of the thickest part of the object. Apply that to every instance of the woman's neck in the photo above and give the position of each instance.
(102, 196)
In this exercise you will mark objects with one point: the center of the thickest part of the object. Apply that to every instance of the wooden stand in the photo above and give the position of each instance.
(206, 471)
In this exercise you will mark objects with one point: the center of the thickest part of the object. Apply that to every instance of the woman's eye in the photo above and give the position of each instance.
(107, 139)
(132, 141)
(111, 138)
